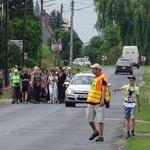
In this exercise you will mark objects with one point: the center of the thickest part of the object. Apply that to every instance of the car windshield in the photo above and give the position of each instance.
(82, 60)
(81, 80)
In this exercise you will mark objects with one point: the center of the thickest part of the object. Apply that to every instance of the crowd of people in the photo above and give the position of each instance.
(39, 85)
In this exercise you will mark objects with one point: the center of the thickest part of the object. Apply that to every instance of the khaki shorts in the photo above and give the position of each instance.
(93, 111)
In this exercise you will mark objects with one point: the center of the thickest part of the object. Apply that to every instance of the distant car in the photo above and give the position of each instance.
(123, 65)
(82, 62)
(78, 89)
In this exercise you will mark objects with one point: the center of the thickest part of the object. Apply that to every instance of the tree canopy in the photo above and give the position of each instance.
(132, 18)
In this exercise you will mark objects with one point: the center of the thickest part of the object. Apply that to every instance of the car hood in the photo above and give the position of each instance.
(79, 87)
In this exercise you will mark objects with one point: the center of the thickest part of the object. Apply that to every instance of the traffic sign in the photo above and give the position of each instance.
(143, 58)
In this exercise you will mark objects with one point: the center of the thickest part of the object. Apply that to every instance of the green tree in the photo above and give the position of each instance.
(33, 35)
(132, 18)
(13, 53)
(16, 8)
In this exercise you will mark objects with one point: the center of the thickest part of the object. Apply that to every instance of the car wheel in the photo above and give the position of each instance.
(138, 66)
(116, 72)
(67, 104)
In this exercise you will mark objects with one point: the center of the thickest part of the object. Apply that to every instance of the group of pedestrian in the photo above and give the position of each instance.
(98, 95)
(46, 85)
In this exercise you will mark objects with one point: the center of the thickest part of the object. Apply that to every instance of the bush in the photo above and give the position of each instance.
(29, 62)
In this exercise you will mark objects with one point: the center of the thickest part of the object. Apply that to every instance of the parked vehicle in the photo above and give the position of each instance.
(132, 53)
(123, 65)
(78, 88)
(82, 62)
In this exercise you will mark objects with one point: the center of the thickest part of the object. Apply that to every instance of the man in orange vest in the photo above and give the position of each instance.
(97, 96)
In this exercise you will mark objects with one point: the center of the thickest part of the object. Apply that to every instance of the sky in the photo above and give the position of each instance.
(84, 19)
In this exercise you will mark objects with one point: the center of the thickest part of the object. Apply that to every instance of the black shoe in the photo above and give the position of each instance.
(13, 101)
(94, 135)
(127, 136)
(99, 139)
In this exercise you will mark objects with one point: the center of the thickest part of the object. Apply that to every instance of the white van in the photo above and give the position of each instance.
(132, 53)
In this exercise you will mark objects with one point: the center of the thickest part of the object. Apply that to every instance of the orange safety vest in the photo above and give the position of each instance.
(95, 92)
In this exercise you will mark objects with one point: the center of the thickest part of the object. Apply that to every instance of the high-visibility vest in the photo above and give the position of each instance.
(95, 92)
(15, 80)
(126, 93)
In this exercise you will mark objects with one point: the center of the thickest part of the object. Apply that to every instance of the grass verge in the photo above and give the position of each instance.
(142, 128)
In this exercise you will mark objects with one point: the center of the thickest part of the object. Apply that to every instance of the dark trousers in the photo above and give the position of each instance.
(36, 93)
(16, 93)
(61, 93)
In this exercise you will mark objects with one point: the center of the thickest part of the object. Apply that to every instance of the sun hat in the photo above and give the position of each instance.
(96, 65)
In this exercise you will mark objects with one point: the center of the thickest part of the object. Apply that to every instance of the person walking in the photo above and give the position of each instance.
(53, 80)
(25, 79)
(15, 86)
(131, 96)
(61, 80)
(97, 96)
(36, 85)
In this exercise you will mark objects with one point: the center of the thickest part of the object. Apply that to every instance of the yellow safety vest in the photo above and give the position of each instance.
(126, 93)
(95, 92)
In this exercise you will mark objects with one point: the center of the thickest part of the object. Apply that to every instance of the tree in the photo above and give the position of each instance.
(55, 20)
(16, 8)
(33, 35)
(132, 18)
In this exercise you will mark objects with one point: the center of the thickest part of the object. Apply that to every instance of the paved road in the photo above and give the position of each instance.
(55, 127)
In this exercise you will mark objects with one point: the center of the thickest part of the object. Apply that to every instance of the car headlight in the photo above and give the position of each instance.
(70, 91)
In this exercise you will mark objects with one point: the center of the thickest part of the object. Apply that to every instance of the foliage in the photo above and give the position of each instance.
(55, 20)
(106, 44)
(132, 18)
(30, 62)
(17, 9)
(13, 53)
(32, 35)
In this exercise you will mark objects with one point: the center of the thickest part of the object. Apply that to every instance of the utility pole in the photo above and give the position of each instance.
(6, 36)
(24, 31)
(40, 51)
(61, 12)
(71, 32)
(61, 18)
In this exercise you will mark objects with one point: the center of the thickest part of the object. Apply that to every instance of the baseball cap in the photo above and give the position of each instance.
(16, 70)
(69, 68)
(96, 65)
(131, 77)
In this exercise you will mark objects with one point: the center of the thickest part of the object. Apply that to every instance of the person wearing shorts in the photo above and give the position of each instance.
(131, 96)
(97, 96)
(25, 79)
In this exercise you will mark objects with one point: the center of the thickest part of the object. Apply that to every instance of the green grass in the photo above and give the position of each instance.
(142, 128)
(6, 93)
(142, 142)
(138, 143)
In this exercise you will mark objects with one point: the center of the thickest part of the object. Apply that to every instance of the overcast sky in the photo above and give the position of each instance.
(84, 19)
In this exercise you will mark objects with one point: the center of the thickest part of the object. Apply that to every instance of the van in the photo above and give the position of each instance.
(132, 53)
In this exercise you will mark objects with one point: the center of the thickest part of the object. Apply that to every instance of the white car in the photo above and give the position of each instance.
(78, 89)
(82, 62)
